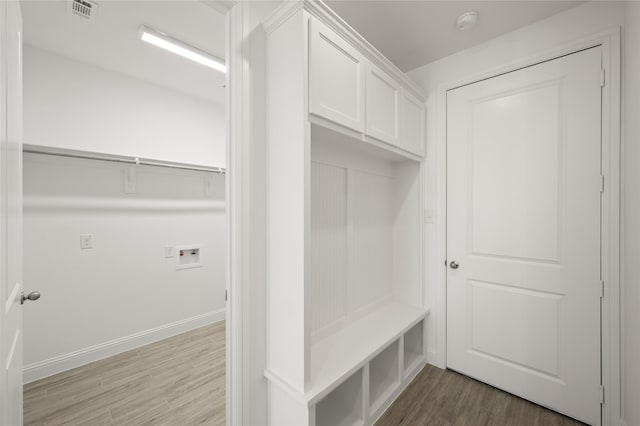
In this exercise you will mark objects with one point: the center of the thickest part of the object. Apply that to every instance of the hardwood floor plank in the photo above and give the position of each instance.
(135, 387)
(445, 398)
(73, 418)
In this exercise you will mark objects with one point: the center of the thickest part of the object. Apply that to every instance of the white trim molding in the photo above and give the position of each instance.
(235, 366)
(611, 169)
(321, 11)
(58, 364)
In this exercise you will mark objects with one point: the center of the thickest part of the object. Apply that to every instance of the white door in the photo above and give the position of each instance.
(336, 78)
(10, 213)
(523, 233)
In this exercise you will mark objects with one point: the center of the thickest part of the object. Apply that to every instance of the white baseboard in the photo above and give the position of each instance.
(58, 364)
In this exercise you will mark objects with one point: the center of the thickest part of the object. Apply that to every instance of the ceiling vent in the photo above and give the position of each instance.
(83, 8)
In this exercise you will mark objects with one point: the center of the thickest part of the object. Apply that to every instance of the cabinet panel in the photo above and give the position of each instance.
(383, 102)
(412, 136)
(336, 78)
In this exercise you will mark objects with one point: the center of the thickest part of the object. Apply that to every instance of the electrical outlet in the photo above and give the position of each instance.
(86, 241)
(168, 251)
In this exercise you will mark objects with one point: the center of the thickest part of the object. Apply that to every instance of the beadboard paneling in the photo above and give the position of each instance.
(370, 203)
(328, 244)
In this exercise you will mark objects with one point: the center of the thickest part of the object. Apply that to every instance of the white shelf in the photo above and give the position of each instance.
(338, 356)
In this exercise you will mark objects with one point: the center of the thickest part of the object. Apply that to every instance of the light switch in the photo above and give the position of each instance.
(86, 241)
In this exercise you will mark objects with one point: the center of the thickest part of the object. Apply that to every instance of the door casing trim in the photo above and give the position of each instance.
(610, 41)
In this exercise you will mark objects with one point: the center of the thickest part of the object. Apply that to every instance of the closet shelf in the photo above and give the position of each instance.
(90, 155)
(336, 357)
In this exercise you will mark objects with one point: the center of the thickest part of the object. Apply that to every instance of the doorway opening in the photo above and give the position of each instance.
(124, 211)
(524, 253)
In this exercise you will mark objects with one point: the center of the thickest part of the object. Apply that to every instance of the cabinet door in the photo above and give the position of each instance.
(383, 104)
(413, 128)
(336, 78)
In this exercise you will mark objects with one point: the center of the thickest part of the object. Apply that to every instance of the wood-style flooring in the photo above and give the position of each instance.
(444, 398)
(180, 381)
(177, 381)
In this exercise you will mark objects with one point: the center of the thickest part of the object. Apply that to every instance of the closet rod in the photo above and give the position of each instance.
(72, 153)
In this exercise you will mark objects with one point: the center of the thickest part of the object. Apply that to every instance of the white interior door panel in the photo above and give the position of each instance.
(523, 228)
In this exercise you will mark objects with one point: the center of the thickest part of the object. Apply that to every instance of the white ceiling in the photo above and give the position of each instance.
(409, 33)
(112, 41)
(414, 33)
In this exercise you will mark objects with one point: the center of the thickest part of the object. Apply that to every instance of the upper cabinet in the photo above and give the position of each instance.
(413, 126)
(383, 106)
(336, 78)
(352, 86)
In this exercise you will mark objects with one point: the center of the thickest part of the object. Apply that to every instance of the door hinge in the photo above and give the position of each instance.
(602, 77)
(601, 183)
(601, 394)
(601, 289)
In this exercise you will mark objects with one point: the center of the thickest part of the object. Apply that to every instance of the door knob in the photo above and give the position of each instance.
(453, 264)
(33, 296)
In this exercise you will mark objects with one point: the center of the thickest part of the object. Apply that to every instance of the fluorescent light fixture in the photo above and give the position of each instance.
(183, 49)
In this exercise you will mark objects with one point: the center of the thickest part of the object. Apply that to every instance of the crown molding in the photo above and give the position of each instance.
(321, 11)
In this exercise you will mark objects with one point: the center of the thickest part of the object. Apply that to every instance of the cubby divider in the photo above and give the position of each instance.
(413, 347)
(384, 375)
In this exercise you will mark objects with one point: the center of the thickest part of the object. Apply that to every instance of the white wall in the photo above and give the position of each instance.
(123, 292)
(70, 104)
(631, 217)
(552, 33)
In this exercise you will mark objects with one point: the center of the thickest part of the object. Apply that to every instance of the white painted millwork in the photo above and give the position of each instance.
(631, 219)
(344, 281)
(357, 91)
(414, 124)
(11, 333)
(383, 106)
(523, 223)
(336, 78)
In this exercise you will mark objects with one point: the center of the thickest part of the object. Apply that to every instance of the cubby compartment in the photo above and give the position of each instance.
(413, 347)
(343, 405)
(384, 376)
